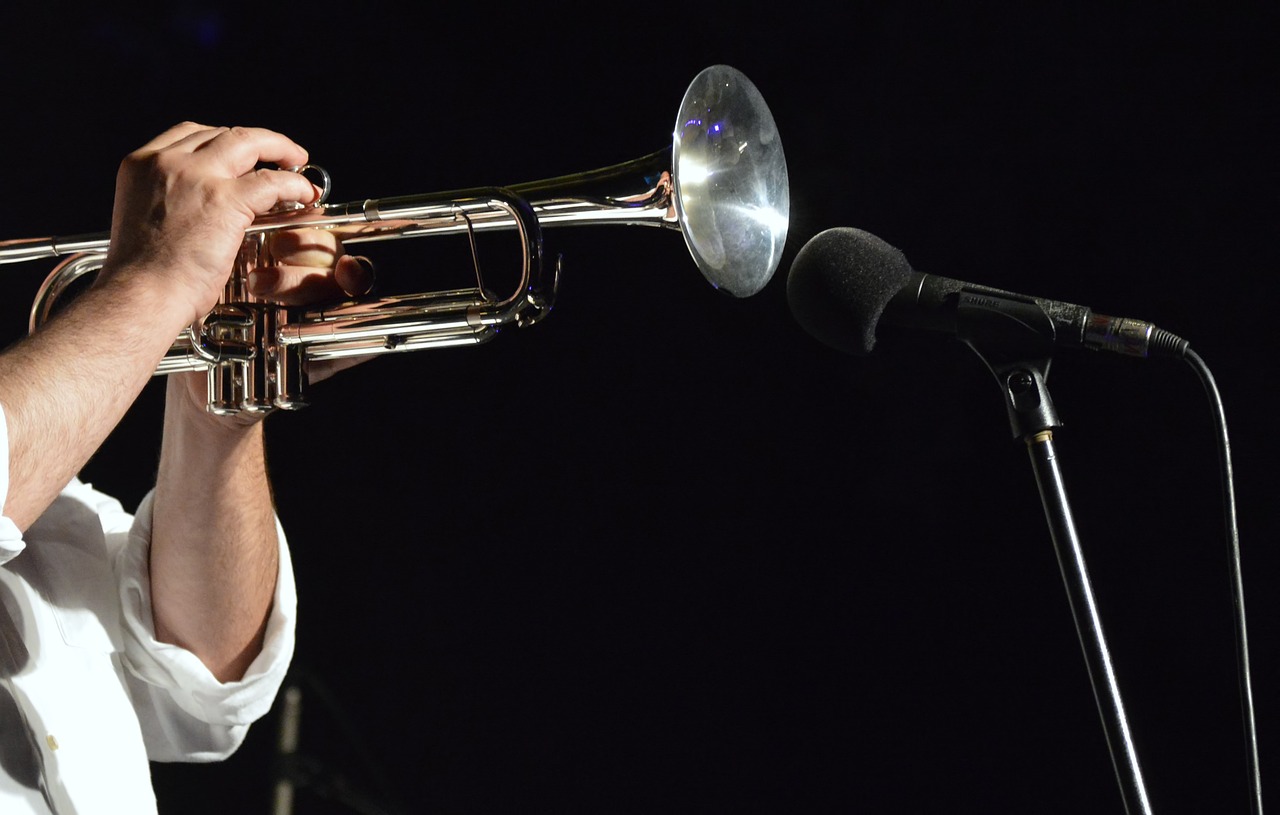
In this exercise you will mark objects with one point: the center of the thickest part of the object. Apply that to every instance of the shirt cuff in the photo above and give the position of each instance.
(181, 673)
(10, 535)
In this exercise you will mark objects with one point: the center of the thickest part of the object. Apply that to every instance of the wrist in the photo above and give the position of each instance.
(187, 414)
(139, 289)
(151, 287)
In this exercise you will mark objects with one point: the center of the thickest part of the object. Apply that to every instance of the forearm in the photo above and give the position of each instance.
(214, 548)
(65, 389)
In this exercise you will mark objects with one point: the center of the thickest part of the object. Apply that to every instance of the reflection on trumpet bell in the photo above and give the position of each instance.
(723, 184)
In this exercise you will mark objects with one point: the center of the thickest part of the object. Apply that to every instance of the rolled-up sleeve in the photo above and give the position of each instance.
(186, 713)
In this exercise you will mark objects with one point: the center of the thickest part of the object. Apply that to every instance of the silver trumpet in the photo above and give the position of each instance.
(723, 184)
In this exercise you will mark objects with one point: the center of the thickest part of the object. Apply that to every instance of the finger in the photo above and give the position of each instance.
(321, 248)
(263, 190)
(291, 285)
(237, 150)
(304, 247)
(295, 285)
(178, 133)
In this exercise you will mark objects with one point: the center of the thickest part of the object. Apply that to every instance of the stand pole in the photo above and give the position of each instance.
(1097, 656)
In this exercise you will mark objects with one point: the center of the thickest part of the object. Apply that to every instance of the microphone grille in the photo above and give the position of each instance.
(840, 283)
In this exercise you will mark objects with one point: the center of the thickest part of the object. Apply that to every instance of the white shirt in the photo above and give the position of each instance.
(87, 694)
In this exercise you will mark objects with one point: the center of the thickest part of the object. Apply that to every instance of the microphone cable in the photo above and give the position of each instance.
(1237, 581)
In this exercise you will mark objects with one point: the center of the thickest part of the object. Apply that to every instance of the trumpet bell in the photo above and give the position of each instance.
(732, 195)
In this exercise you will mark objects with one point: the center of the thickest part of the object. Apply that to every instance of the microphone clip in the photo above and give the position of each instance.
(1015, 339)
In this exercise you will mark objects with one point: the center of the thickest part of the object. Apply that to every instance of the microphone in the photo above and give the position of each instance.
(845, 283)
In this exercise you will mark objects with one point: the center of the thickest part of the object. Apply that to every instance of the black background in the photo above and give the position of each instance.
(665, 553)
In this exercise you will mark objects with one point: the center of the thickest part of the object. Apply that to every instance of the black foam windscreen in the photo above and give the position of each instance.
(840, 283)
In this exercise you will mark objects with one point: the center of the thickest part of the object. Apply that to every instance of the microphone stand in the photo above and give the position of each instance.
(294, 771)
(286, 751)
(1015, 342)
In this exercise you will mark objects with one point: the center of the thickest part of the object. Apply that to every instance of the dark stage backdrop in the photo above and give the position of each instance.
(665, 553)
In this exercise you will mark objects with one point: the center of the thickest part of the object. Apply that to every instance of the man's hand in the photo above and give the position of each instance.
(185, 199)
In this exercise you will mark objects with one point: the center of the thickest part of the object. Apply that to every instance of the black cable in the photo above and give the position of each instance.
(1237, 581)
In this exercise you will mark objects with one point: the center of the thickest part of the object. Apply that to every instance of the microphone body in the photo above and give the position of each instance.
(937, 303)
(845, 283)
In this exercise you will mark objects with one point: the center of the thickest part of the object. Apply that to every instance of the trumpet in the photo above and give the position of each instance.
(722, 183)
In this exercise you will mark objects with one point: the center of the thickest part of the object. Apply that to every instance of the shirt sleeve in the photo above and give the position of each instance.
(186, 713)
(10, 536)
